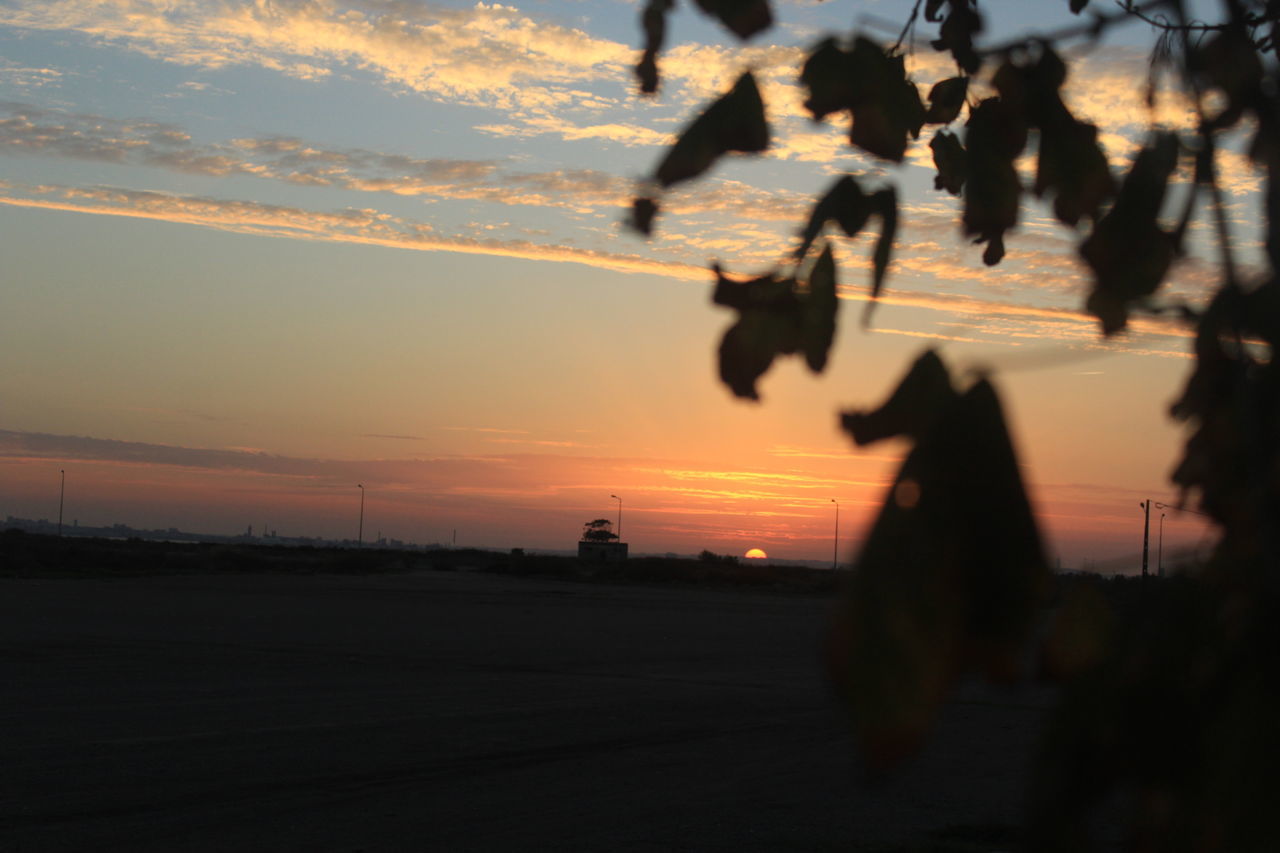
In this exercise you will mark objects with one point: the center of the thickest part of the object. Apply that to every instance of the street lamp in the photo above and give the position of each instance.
(1182, 509)
(360, 534)
(62, 492)
(1146, 533)
(835, 540)
(1160, 550)
(619, 500)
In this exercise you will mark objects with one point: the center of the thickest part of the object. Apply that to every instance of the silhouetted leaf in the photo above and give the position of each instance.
(951, 161)
(653, 20)
(818, 314)
(744, 18)
(829, 77)
(776, 317)
(995, 135)
(911, 409)
(886, 204)
(642, 212)
(845, 203)
(873, 86)
(848, 206)
(1232, 400)
(1228, 61)
(735, 122)
(891, 109)
(1078, 5)
(1073, 167)
(951, 573)
(994, 253)
(960, 25)
(945, 100)
(1128, 251)
(1030, 86)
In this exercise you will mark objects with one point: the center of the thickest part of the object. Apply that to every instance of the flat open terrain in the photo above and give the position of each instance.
(456, 711)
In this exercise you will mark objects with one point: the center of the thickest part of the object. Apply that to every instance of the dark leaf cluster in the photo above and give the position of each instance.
(952, 571)
(872, 85)
(1173, 700)
(776, 316)
(734, 122)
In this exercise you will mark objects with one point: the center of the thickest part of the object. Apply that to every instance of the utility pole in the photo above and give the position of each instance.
(835, 540)
(619, 500)
(360, 532)
(62, 493)
(1160, 550)
(1146, 534)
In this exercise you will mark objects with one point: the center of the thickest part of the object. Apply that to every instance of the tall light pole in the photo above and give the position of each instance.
(619, 500)
(62, 493)
(1146, 534)
(360, 534)
(835, 540)
(1160, 558)
(1160, 550)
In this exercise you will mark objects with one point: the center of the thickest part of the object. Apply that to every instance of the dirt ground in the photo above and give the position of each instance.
(458, 712)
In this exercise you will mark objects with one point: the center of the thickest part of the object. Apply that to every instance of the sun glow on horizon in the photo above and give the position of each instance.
(756, 554)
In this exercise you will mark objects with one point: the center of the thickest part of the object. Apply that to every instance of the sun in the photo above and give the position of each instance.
(756, 554)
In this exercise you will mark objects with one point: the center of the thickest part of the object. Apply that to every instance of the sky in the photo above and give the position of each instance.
(257, 252)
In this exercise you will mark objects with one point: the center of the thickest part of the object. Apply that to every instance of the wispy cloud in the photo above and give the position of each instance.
(365, 226)
(489, 54)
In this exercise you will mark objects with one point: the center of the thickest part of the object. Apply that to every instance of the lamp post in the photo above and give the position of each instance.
(619, 500)
(835, 540)
(1182, 509)
(62, 493)
(1146, 533)
(1160, 550)
(360, 532)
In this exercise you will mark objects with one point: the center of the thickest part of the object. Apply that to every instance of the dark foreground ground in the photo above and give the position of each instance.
(460, 711)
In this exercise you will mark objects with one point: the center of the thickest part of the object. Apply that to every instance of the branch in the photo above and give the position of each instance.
(1185, 26)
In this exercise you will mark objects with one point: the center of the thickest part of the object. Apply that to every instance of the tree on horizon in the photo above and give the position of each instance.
(599, 530)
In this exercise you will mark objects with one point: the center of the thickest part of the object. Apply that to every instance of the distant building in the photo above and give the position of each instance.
(597, 544)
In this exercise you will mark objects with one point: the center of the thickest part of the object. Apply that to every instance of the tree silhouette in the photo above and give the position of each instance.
(1169, 702)
(600, 530)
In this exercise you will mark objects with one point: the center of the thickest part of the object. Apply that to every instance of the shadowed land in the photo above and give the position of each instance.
(461, 711)
(27, 555)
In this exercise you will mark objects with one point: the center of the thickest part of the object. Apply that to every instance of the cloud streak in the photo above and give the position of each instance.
(362, 227)
(487, 55)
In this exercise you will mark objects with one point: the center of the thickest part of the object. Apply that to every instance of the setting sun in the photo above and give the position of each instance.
(756, 554)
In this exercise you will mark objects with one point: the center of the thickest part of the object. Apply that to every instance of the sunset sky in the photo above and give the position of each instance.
(255, 253)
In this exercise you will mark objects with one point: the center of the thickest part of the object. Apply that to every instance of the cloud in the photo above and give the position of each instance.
(487, 55)
(359, 226)
(27, 77)
(26, 129)
(371, 227)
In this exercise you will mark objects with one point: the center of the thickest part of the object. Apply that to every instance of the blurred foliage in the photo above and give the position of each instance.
(1169, 687)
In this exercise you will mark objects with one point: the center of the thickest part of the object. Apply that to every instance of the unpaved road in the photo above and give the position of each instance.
(456, 712)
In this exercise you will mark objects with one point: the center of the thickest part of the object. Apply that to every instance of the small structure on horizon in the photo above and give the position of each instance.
(599, 543)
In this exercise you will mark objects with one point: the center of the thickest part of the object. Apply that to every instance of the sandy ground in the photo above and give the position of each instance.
(456, 712)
